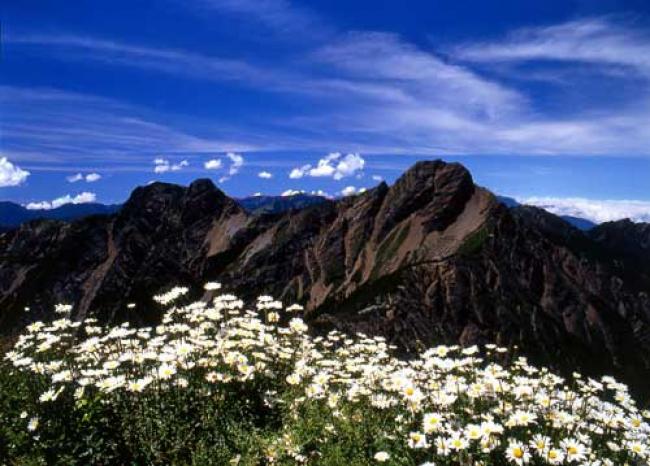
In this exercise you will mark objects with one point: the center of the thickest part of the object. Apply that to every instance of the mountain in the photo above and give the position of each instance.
(629, 243)
(578, 222)
(433, 258)
(278, 204)
(12, 215)
(626, 238)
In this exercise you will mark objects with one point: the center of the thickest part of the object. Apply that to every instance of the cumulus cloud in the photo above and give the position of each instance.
(81, 198)
(334, 165)
(236, 162)
(10, 174)
(89, 178)
(291, 192)
(265, 175)
(75, 178)
(213, 164)
(350, 190)
(163, 165)
(321, 193)
(597, 211)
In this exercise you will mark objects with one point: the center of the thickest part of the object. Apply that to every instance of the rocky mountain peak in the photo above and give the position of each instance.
(440, 189)
(152, 199)
(200, 200)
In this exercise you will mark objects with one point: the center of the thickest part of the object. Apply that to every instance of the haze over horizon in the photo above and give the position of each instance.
(548, 102)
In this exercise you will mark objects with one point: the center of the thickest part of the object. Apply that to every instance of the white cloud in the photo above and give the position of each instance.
(415, 78)
(236, 162)
(89, 178)
(291, 192)
(163, 165)
(75, 178)
(321, 193)
(597, 211)
(334, 165)
(377, 178)
(593, 40)
(299, 172)
(266, 175)
(213, 164)
(10, 174)
(81, 198)
(348, 191)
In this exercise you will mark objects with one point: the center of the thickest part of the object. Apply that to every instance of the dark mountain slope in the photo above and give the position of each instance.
(431, 258)
(628, 247)
(279, 204)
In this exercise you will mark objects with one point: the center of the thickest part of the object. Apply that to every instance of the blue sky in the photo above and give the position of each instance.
(548, 101)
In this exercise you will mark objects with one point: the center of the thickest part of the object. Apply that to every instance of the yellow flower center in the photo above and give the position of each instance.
(517, 452)
(572, 450)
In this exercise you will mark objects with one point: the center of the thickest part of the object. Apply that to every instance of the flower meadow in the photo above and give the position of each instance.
(218, 383)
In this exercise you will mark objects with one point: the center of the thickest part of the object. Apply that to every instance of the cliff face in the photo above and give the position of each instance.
(432, 258)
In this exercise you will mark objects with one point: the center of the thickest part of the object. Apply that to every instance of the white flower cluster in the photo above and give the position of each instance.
(451, 404)
(171, 296)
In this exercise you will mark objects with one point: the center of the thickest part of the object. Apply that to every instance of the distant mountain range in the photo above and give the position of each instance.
(432, 258)
(278, 204)
(13, 215)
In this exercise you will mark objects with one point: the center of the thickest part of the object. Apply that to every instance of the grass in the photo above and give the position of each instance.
(474, 242)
